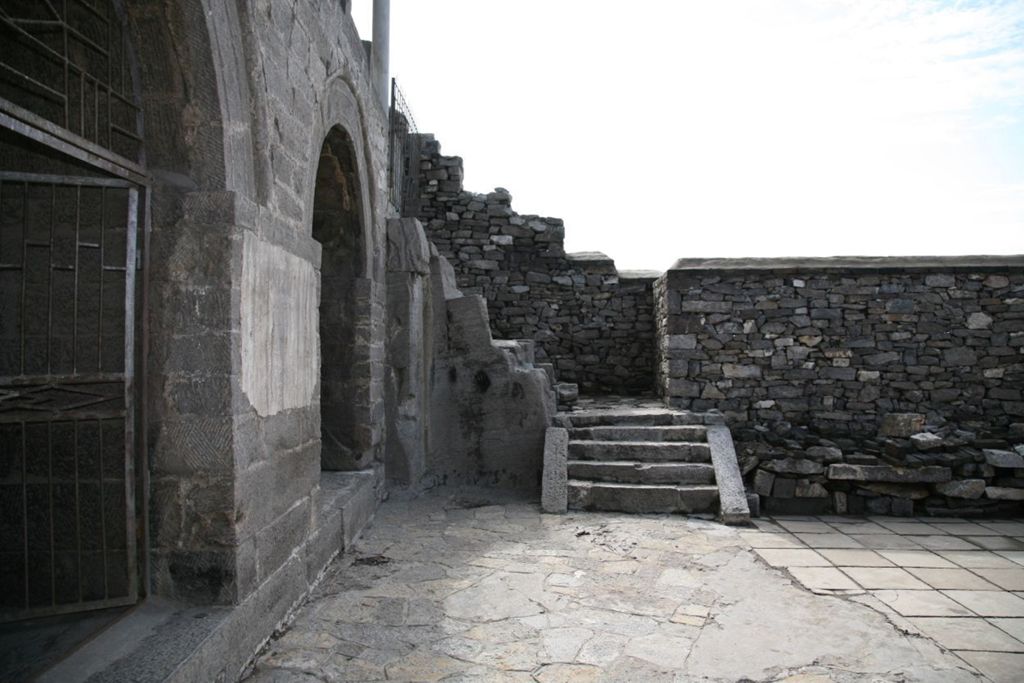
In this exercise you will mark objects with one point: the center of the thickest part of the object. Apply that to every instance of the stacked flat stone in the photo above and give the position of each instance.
(593, 323)
(857, 355)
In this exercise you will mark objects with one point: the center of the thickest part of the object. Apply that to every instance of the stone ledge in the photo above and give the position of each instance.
(858, 263)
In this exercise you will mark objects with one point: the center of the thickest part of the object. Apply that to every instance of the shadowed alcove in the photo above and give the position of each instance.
(338, 226)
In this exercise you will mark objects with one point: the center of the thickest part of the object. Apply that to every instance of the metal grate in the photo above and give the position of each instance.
(66, 61)
(67, 268)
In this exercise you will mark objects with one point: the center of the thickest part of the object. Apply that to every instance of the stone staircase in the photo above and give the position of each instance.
(645, 459)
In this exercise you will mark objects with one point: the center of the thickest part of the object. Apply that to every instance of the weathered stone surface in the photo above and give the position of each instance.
(926, 441)
(1004, 493)
(1008, 459)
(886, 473)
(793, 466)
(763, 482)
(901, 424)
(979, 321)
(898, 490)
(554, 477)
(408, 248)
(825, 454)
(962, 488)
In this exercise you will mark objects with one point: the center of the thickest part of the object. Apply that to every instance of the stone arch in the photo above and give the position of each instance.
(339, 225)
(200, 169)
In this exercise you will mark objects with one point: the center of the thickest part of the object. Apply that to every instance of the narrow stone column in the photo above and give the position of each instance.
(379, 52)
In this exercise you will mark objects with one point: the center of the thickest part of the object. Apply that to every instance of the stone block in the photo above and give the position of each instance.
(979, 321)
(901, 425)
(555, 479)
(763, 482)
(962, 488)
(999, 458)
(793, 466)
(898, 490)
(1004, 493)
(737, 371)
(886, 473)
(926, 441)
(784, 488)
(959, 356)
(825, 454)
(940, 280)
(408, 248)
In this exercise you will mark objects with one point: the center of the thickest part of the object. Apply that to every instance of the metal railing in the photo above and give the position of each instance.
(402, 125)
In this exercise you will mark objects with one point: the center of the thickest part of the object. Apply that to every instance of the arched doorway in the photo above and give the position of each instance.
(338, 224)
(72, 189)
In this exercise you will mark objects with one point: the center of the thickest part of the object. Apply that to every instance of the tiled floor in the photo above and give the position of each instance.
(958, 582)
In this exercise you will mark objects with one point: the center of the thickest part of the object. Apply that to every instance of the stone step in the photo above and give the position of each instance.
(632, 416)
(641, 498)
(673, 433)
(632, 472)
(642, 451)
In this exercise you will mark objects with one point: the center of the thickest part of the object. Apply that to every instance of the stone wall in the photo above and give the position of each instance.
(814, 361)
(238, 100)
(593, 323)
(462, 408)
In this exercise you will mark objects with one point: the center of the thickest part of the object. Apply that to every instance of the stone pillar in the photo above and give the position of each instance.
(379, 52)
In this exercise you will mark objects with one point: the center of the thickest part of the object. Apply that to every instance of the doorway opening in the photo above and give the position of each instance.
(338, 223)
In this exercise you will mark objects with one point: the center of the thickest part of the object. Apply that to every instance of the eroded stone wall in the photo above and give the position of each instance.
(813, 361)
(462, 408)
(592, 322)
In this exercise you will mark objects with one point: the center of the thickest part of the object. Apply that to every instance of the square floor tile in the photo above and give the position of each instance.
(922, 604)
(963, 528)
(916, 558)
(952, 578)
(822, 578)
(998, 667)
(1015, 627)
(801, 526)
(1007, 579)
(855, 558)
(1016, 556)
(884, 577)
(947, 542)
(758, 539)
(787, 557)
(967, 634)
(833, 540)
(886, 541)
(989, 603)
(978, 558)
(909, 528)
(859, 527)
(765, 525)
(1005, 527)
(996, 542)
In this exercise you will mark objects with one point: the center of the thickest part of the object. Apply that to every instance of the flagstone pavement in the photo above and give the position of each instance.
(451, 587)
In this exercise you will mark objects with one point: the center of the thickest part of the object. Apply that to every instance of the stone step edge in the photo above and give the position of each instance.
(697, 432)
(639, 472)
(642, 487)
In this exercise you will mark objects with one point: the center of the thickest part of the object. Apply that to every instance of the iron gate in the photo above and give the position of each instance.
(67, 290)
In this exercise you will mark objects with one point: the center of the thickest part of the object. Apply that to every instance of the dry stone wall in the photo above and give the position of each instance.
(592, 322)
(856, 385)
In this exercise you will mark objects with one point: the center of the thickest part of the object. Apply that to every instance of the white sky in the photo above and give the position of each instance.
(661, 129)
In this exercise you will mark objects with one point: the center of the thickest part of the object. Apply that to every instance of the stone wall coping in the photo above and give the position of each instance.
(589, 257)
(852, 263)
(640, 274)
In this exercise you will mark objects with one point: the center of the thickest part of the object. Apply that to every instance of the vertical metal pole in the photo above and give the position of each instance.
(381, 47)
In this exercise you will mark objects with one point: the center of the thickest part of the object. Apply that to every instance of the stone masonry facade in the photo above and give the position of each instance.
(856, 385)
(592, 322)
